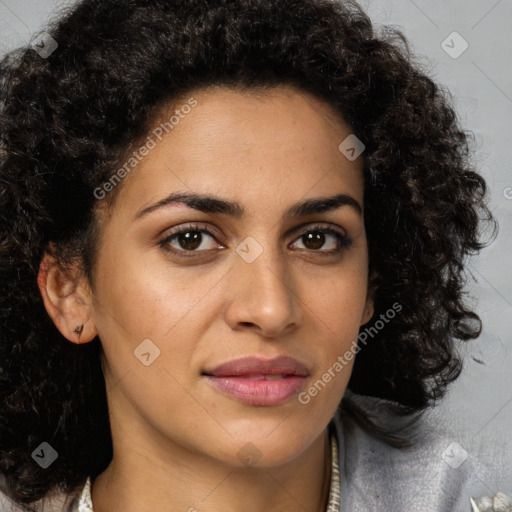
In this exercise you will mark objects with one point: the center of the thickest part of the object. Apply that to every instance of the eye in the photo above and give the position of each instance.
(189, 239)
(318, 236)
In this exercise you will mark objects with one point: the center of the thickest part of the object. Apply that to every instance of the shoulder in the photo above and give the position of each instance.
(439, 472)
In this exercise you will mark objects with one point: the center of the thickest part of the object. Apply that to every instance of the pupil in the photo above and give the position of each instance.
(316, 239)
(190, 240)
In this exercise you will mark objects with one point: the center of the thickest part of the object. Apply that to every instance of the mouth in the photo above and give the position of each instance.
(259, 382)
(260, 376)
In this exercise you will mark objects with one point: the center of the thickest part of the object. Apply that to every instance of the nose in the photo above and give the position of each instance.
(263, 297)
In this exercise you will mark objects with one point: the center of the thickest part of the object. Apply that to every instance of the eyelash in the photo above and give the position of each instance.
(343, 241)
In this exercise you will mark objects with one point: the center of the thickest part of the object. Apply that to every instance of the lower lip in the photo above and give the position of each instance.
(259, 392)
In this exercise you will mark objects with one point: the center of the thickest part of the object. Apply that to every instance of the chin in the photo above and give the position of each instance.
(266, 447)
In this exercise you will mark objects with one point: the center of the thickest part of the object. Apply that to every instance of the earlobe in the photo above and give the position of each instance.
(66, 297)
(369, 308)
(368, 311)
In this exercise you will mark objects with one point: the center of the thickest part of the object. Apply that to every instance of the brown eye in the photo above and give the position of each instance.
(189, 239)
(314, 240)
(317, 238)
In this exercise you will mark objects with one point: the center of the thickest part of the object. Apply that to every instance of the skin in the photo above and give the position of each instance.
(176, 438)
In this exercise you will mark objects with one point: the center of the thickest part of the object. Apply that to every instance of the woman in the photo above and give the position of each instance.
(223, 225)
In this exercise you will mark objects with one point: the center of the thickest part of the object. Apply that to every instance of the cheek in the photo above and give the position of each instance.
(145, 296)
(137, 301)
(338, 299)
(336, 309)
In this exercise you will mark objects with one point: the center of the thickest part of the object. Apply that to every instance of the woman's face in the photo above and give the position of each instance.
(261, 280)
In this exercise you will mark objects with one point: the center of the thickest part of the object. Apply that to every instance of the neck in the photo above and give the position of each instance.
(158, 476)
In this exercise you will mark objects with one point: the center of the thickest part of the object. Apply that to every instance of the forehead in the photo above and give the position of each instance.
(239, 117)
(246, 144)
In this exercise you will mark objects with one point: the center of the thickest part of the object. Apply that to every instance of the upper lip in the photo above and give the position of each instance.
(281, 365)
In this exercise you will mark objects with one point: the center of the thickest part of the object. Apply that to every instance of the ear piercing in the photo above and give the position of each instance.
(78, 330)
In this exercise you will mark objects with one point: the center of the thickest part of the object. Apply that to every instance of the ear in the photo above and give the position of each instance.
(368, 311)
(67, 299)
(369, 308)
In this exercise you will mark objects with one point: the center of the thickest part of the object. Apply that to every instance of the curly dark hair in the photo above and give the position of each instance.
(67, 120)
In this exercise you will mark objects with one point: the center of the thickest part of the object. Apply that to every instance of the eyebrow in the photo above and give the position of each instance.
(210, 204)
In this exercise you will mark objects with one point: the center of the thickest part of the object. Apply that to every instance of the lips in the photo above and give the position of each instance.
(257, 367)
(257, 381)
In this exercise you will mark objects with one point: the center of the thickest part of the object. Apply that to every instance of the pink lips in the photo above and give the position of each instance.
(258, 381)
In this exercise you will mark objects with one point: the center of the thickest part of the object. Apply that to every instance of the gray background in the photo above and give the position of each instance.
(479, 405)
